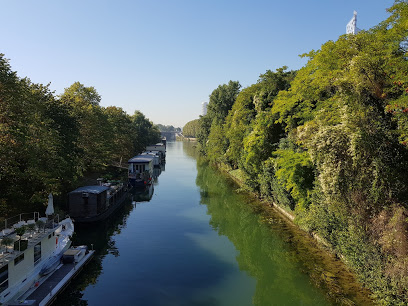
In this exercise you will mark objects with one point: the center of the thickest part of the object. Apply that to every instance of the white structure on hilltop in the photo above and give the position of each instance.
(352, 25)
(204, 108)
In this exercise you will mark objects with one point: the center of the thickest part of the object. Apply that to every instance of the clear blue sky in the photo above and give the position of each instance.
(165, 58)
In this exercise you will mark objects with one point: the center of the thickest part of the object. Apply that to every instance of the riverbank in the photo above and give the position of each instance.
(326, 269)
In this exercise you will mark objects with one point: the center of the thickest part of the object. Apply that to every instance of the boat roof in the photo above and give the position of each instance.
(156, 145)
(150, 153)
(91, 189)
(144, 159)
(71, 252)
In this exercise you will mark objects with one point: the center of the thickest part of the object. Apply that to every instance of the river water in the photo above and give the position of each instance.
(195, 240)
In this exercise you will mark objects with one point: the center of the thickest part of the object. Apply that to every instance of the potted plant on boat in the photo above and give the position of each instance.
(31, 228)
(40, 225)
(20, 232)
(7, 241)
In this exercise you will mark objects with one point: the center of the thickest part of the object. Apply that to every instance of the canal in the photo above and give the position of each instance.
(194, 240)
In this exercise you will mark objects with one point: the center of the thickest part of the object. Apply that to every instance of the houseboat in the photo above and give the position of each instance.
(156, 157)
(140, 170)
(31, 245)
(95, 203)
(158, 147)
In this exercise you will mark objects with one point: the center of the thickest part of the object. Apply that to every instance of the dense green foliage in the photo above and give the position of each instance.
(210, 134)
(191, 128)
(329, 142)
(47, 142)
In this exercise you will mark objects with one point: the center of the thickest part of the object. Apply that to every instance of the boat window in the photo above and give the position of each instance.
(18, 259)
(37, 253)
(49, 236)
(4, 278)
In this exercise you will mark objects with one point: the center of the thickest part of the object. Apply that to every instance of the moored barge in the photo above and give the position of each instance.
(95, 203)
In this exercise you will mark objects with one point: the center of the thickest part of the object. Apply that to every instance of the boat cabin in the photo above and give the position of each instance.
(88, 201)
(20, 265)
(140, 169)
(158, 147)
(156, 157)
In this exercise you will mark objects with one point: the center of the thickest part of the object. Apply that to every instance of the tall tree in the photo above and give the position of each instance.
(252, 102)
(221, 101)
(145, 132)
(122, 131)
(191, 128)
(94, 137)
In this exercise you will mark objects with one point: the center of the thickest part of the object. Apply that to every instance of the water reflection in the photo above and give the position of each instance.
(98, 236)
(283, 260)
(144, 194)
(156, 172)
(190, 149)
(263, 256)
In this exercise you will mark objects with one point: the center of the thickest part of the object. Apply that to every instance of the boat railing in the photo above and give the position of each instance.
(51, 222)
(19, 220)
(26, 219)
(40, 226)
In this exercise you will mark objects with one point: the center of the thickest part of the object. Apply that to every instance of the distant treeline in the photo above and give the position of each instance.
(191, 128)
(167, 128)
(329, 143)
(48, 142)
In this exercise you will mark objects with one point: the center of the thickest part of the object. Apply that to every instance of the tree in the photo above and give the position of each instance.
(251, 103)
(31, 142)
(221, 100)
(191, 128)
(217, 144)
(239, 123)
(346, 111)
(203, 132)
(94, 138)
(259, 145)
(121, 129)
(47, 143)
(145, 132)
(80, 95)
